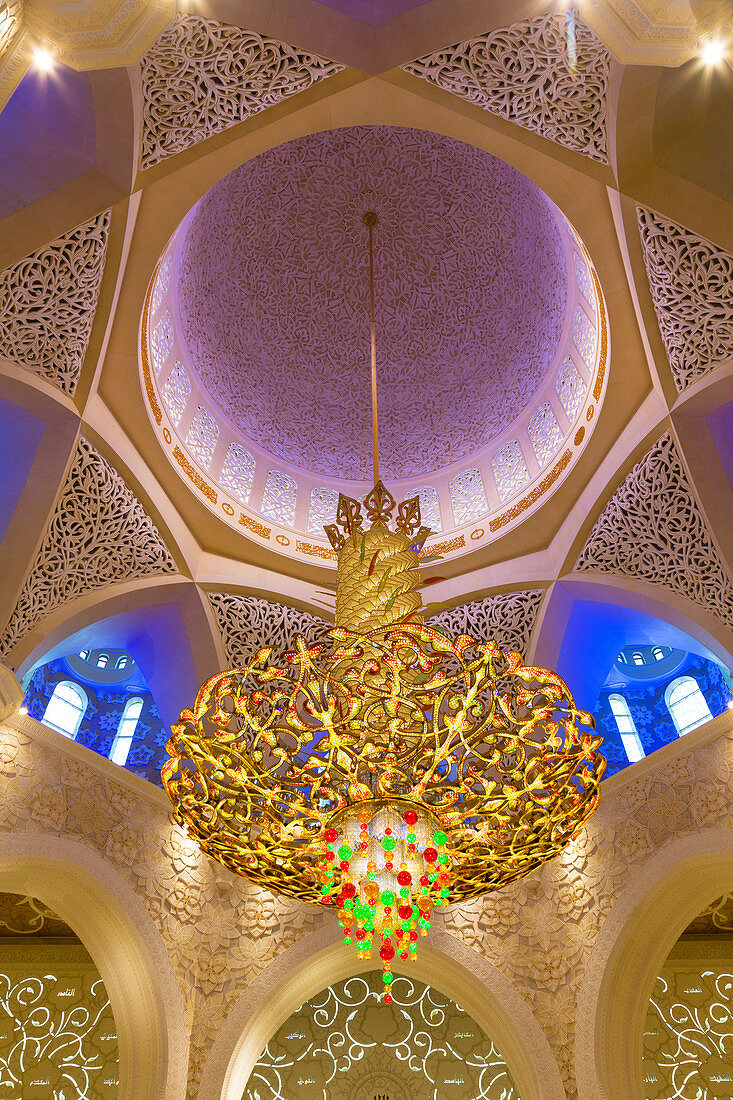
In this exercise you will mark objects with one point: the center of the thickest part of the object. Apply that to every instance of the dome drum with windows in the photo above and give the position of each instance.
(386, 769)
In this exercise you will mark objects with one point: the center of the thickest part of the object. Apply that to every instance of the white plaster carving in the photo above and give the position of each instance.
(99, 533)
(322, 509)
(544, 434)
(162, 283)
(508, 618)
(653, 529)
(279, 497)
(429, 506)
(176, 392)
(237, 473)
(246, 623)
(510, 469)
(202, 437)
(691, 282)
(201, 77)
(48, 301)
(161, 341)
(570, 388)
(584, 337)
(467, 497)
(584, 279)
(525, 73)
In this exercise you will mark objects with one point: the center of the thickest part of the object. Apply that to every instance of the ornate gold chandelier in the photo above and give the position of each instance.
(387, 769)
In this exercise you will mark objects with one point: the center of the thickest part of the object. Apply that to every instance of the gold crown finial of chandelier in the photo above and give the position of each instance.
(387, 769)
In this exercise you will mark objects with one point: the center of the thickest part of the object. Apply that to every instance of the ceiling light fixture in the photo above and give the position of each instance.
(388, 769)
(712, 52)
(43, 59)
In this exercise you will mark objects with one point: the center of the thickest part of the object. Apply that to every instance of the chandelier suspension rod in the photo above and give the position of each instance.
(370, 220)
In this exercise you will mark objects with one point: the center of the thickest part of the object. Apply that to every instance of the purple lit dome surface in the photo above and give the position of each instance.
(471, 299)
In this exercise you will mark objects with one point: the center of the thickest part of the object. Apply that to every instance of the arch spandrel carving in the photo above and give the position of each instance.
(653, 529)
(201, 77)
(691, 283)
(246, 623)
(48, 301)
(524, 74)
(99, 533)
(507, 617)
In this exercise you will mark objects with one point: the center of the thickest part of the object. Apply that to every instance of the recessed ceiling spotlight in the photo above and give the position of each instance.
(712, 51)
(22, 710)
(43, 59)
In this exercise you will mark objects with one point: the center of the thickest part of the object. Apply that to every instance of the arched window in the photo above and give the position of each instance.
(637, 658)
(123, 662)
(66, 708)
(658, 653)
(686, 704)
(621, 659)
(83, 653)
(102, 660)
(125, 732)
(626, 727)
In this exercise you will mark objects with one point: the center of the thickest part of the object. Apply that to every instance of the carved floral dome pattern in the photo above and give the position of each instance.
(471, 298)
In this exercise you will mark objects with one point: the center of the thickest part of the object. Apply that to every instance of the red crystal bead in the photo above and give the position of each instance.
(387, 999)
(430, 855)
(404, 878)
(386, 952)
(410, 817)
(348, 890)
(330, 835)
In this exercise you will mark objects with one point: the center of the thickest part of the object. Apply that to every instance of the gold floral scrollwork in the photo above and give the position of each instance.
(495, 750)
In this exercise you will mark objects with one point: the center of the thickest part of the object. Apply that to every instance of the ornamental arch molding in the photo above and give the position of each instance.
(49, 300)
(649, 915)
(114, 926)
(319, 960)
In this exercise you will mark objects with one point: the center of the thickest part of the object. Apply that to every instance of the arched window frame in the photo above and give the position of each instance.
(658, 653)
(103, 660)
(123, 662)
(687, 711)
(638, 658)
(58, 705)
(120, 748)
(626, 727)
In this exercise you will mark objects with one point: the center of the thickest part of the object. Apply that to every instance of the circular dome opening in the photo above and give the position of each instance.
(490, 335)
(471, 291)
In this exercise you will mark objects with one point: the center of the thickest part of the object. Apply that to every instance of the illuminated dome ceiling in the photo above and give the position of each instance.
(471, 299)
